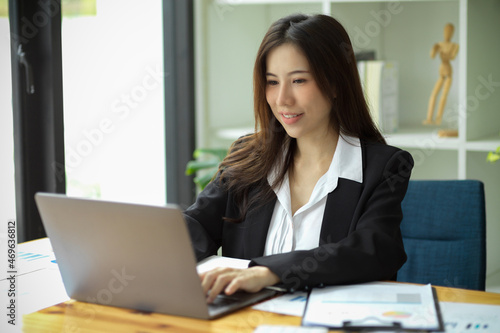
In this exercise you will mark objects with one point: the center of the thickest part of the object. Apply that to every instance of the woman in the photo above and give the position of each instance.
(314, 196)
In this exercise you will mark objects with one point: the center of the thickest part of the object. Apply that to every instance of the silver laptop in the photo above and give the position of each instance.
(132, 256)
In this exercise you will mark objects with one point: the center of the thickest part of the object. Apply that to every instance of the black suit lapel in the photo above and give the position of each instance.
(257, 226)
(339, 211)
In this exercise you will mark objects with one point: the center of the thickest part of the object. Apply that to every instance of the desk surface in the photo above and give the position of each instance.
(72, 316)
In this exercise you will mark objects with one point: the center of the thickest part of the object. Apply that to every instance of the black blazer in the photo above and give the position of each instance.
(360, 238)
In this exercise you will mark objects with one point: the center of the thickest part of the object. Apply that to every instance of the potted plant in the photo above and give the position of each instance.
(205, 164)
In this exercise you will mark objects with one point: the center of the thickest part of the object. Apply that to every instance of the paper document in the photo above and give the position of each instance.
(218, 261)
(288, 304)
(32, 256)
(467, 317)
(374, 305)
(38, 283)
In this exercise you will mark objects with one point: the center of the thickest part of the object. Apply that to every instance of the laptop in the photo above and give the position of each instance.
(131, 256)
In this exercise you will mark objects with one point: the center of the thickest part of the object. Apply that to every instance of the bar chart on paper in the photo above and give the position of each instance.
(371, 306)
(464, 317)
(30, 260)
(27, 256)
(38, 281)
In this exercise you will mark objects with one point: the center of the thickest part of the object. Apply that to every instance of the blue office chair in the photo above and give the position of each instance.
(444, 230)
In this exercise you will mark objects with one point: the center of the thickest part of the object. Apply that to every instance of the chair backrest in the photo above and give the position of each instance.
(444, 230)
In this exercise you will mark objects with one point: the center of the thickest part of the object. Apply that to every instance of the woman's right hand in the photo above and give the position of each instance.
(229, 280)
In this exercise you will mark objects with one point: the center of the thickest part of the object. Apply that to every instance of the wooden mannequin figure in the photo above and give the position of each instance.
(447, 51)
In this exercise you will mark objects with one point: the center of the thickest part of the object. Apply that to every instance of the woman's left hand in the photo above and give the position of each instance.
(229, 280)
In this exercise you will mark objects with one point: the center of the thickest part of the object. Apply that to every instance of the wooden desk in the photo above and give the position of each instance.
(72, 316)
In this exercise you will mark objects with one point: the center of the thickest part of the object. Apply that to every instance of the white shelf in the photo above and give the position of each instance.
(407, 138)
(422, 137)
(232, 134)
(486, 144)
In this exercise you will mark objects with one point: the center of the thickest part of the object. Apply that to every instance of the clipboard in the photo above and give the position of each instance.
(376, 306)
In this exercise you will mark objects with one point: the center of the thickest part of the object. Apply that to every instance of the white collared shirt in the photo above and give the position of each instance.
(301, 231)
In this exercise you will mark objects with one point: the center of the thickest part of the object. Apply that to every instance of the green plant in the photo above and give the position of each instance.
(493, 156)
(205, 164)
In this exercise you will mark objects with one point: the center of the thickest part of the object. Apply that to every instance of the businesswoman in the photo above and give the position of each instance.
(313, 197)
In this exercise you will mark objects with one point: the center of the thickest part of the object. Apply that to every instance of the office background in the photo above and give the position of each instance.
(122, 109)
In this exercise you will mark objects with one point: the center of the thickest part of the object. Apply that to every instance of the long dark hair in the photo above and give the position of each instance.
(328, 49)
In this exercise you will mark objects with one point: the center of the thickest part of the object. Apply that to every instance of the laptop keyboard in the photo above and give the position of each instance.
(227, 303)
(224, 300)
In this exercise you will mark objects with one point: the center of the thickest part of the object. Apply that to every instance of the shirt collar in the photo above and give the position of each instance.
(350, 161)
(347, 162)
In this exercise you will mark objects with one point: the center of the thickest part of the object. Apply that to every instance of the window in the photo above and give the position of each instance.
(109, 141)
(113, 100)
